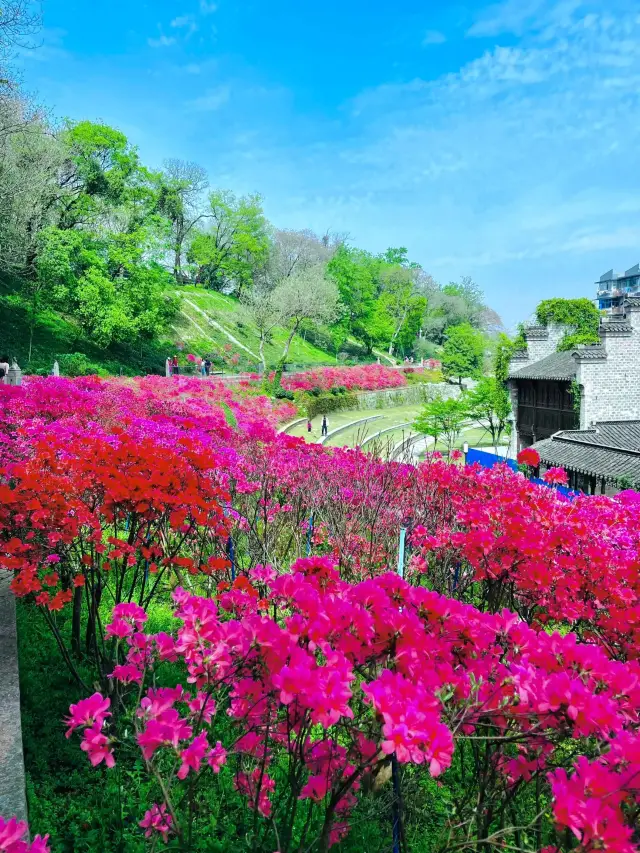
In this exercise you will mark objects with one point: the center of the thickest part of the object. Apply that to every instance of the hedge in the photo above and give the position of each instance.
(323, 404)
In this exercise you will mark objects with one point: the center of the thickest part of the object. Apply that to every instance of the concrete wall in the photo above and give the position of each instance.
(419, 393)
(12, 793)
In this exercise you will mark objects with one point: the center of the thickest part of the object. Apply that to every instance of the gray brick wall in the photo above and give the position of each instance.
(611, 388)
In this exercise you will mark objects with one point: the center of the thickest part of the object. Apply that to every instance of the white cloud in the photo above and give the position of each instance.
(433, 37)
(183, 21)
(162, 41)
(211, 101)
(207, 8)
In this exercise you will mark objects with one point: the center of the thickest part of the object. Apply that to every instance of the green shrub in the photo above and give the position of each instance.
(283, 394)
(77, 364)
(325, 403)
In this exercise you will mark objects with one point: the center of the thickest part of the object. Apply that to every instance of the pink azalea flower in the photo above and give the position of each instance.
(157, 819)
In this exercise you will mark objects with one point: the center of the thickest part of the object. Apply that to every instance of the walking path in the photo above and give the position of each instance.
(12, 792)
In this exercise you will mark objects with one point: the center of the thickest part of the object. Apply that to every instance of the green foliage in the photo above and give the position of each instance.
(520, 341)
(502, 357)
(489, 404)
(107, 281)
(576, 396)
(443, 418)
(354, 271)
(424, 377)
(580, 315)
(463, 352)
(324, 403)
(235, 245)
(570, 342)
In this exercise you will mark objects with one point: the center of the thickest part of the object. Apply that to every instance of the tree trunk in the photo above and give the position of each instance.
(177, 262)
(263, 361)
(76, 621)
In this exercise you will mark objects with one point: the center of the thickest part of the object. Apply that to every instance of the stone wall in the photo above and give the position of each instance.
(408, 395)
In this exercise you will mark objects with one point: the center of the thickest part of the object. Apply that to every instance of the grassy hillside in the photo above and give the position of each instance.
(207, 323)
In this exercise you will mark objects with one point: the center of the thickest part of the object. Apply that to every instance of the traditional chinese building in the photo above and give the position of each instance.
(580, 409)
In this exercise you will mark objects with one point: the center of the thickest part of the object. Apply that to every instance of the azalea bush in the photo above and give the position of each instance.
(226, 599)
(369, 377)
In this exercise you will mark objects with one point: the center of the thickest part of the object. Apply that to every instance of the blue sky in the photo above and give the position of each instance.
(498, 140)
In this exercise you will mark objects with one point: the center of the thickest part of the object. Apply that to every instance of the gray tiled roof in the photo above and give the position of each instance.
(610, 450)
(558, 365)
(590, 351)
(616, 327)
(618, 435)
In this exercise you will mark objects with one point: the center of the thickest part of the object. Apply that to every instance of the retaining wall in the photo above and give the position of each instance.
(12, 793)
(408, 395)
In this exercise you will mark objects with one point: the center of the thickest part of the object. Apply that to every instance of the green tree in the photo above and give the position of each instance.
(355, 273)
(400, 305)
(111, 282)
(489, 404)
(235, 247)
(444, 419)
(99, 169)
(504, 350)
(463, 352)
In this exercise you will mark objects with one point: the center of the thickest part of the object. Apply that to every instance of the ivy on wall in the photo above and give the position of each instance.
(581, 315)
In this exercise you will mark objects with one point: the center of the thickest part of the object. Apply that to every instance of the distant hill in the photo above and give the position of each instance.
(207, 323)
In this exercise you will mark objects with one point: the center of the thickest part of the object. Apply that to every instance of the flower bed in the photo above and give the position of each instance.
(159, 532)
(370, 377)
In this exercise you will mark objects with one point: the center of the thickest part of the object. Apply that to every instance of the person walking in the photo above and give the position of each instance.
(325, 425)
(175, 367)
(203, 368)
(308, 424)
(168, 366)
(207, 366)
(4, 370)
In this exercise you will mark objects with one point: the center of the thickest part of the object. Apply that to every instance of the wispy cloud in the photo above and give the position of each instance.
(185, 22)
(208, 8)
(518, 17)
(489, 166)
(161, 41)
(211, 100)
(433, 37)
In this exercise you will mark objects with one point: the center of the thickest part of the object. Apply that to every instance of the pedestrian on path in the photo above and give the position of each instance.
(175, 367)
(4, 370)
(168, 366)
(325, 425)
(309, 425)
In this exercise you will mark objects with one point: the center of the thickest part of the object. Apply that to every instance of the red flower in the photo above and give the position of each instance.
(556, 477)
(529, 457)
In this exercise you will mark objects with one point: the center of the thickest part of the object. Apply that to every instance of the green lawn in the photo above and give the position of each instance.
(350, 438)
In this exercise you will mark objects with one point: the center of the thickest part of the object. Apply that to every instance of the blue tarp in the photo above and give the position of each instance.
(488, 460)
